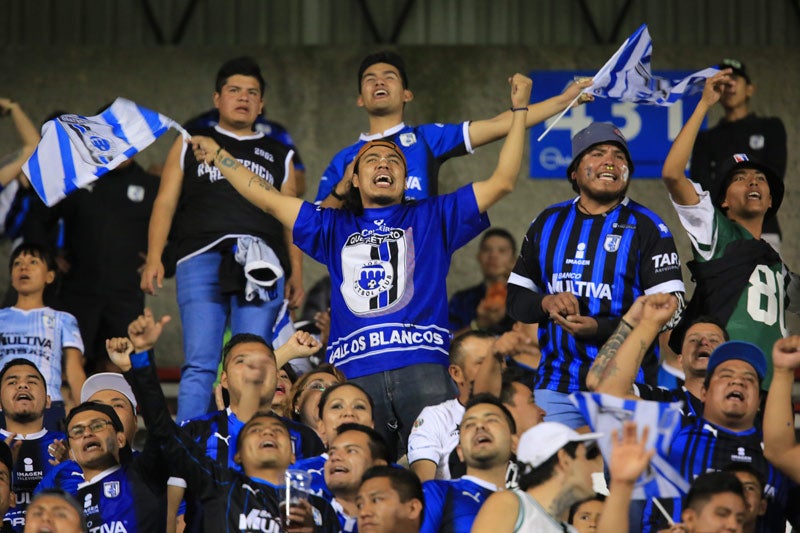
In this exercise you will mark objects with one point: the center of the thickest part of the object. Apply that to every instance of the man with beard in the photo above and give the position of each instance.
(699, 341)
(583, 263)
(485, 443)
(23, 398)
(388, 261)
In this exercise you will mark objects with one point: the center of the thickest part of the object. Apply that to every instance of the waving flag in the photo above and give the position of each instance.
(76, 150)
(627, 76)
(605, 413)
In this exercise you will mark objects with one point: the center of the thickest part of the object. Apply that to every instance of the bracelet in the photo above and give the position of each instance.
(518, 108)
(623, 321)
(336, 195)
(218, 151)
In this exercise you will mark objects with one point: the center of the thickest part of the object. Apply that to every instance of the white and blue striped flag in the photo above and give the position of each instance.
(605, 413)
(76, 150)
(627, 76)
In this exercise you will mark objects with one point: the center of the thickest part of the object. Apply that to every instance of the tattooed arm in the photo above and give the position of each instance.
(255, 189)
(618, 361)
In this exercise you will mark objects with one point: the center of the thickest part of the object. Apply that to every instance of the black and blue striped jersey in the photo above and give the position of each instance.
(606, 261)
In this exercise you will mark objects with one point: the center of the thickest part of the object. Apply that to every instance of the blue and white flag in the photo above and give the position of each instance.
(627, 75)
(76, 150)
(605, 413)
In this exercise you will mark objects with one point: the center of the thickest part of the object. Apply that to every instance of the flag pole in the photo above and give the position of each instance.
(559, 117)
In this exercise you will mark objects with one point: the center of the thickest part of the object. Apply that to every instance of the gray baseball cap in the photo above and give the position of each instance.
(597, 133)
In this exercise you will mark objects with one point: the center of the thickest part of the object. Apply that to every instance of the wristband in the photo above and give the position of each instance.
(218, 151)
(518, 108)
(336, 195)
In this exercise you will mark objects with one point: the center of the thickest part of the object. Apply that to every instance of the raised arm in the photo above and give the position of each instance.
(255, 189)
(169, 191)
(27, 132)
(780, 446)
(619, 369)
(504, 178)
(673, 172)
(485, 131)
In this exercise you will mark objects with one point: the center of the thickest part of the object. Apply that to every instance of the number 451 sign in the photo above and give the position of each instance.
(649, 129)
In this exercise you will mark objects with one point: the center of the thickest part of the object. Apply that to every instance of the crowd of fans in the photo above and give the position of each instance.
(573, 389)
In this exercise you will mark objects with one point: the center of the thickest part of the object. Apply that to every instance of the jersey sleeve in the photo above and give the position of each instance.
(310, 231)
(461, 218)
(334, 173)
(70, 333)
(699, 221)
(434, 503)
(660, 270)
(424, 441)
(447, 140)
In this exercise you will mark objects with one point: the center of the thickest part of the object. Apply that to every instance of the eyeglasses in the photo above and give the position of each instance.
(94, 427)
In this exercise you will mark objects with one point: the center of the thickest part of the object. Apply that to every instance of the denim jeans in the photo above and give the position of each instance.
(401, 394)
(204, 315)
(559, 408)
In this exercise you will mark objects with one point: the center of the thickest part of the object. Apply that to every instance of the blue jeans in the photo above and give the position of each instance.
(204, 315)
(559, 408)
(401, 394)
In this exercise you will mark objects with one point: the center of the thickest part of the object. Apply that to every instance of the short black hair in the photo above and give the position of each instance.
(245, 66)
(747, 468)
(533, 477)
(21, 361)
(488, 397)
(377, 444)
(323, 399)
(709, 484)
(502, 233)
(68, 499)
(457, 352)
(384, 56)
(258, 414)
(404, 482)
(100, 408)
(241, 338)
(678, 334)
(36, 250)
(574, 508)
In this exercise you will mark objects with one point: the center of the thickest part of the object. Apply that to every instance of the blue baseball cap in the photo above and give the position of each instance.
(741, 351)
(597, 133)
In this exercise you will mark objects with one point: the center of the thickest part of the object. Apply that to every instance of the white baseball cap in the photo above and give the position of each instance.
(107, 381)
(543, 440)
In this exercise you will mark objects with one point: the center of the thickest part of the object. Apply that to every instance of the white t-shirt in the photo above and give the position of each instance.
(435, 435)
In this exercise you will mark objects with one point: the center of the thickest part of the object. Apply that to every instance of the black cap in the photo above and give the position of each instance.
(736, 66)
(736, 161)
(384, 56)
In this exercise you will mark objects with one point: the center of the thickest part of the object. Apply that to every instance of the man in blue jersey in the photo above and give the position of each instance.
(485, 442)
(388, 262)
(383, 92)
(584, 262)
(244, 500)
(23, 398)
(726, 430)
(352, 452)
(118, 494)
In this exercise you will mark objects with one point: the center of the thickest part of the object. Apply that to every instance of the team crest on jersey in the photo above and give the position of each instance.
(111, 489)
(374, 271)
(418, 422)
(135, 193)
(756, 142)
(407, 139)
(49, 321)
(611, 243)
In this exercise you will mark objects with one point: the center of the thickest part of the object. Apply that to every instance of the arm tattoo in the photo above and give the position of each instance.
(228, 161)
(609, 349)
(264, 184)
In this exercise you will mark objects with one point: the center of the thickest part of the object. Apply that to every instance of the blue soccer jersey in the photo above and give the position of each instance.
(606, 261)
(385, 312)
(452, 505)
(31, 465)
(316, 467)
(40, 336)
(426, 147)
